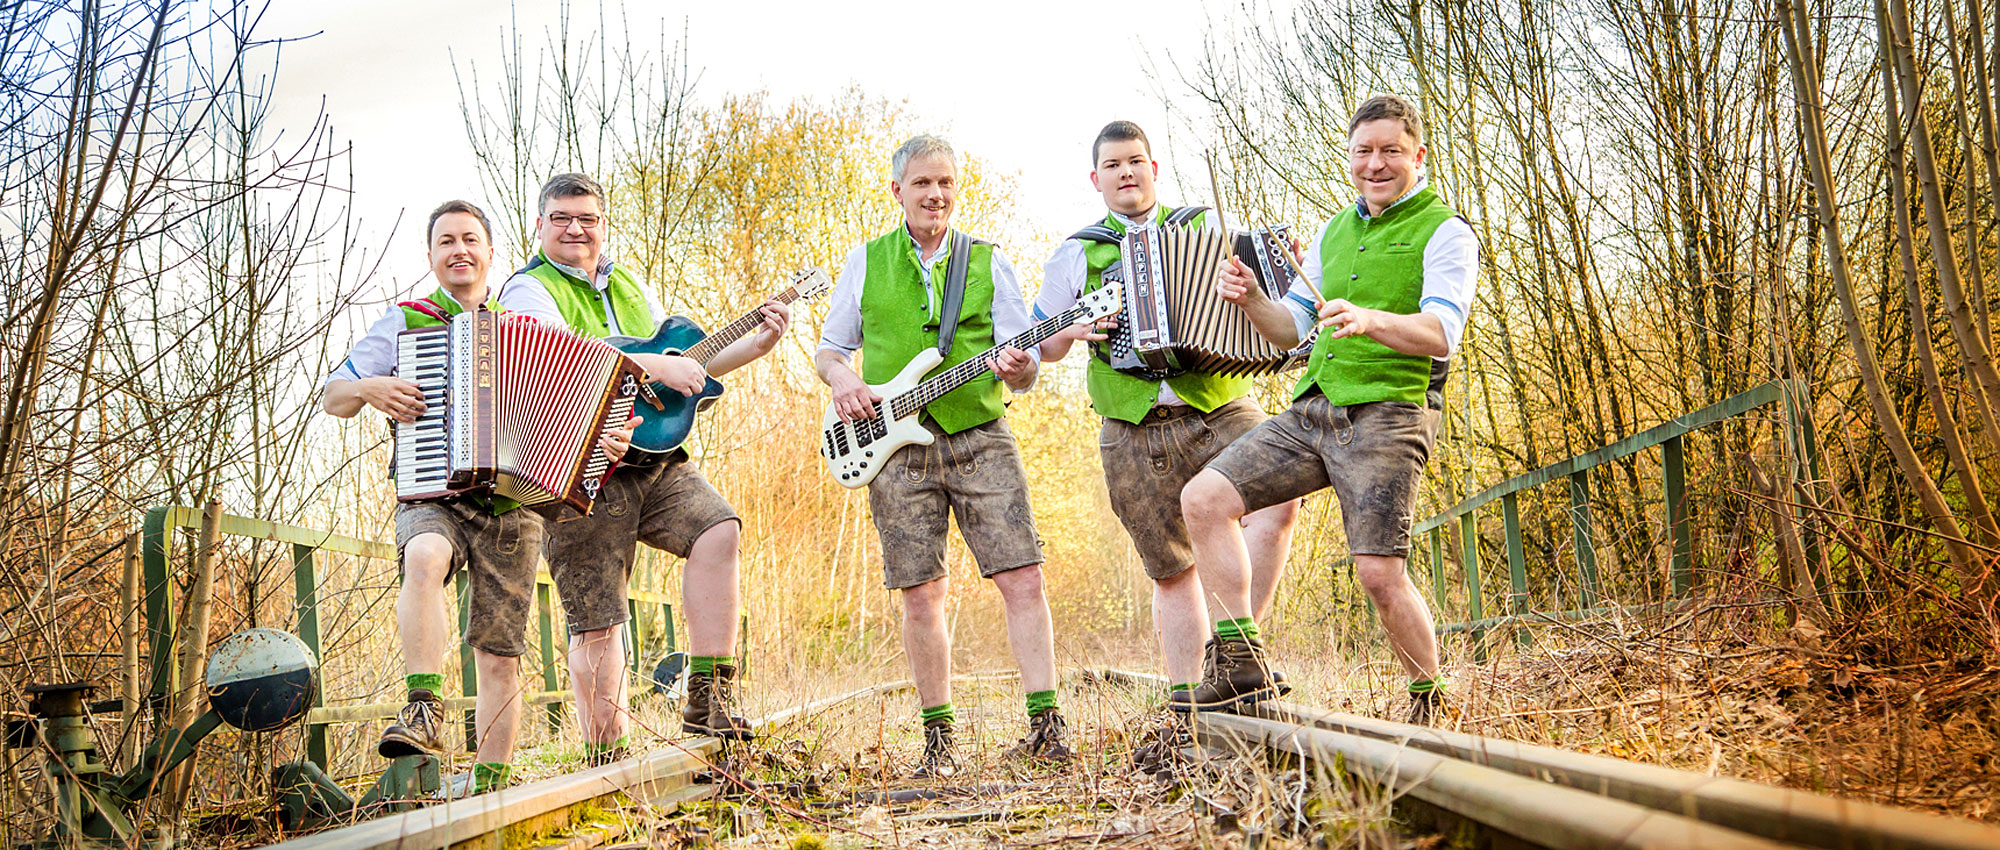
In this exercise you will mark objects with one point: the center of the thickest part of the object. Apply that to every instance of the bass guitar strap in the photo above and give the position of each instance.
(954, 290)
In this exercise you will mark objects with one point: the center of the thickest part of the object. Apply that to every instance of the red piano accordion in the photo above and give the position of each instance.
(513, 408)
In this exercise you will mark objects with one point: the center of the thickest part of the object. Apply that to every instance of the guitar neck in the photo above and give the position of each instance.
(714, 343)
(913, 400)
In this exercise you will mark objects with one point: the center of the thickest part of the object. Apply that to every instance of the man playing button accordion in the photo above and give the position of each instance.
(1389, 282)
(494, 540)
(889, 303)
(1159, 430)
(573, 283)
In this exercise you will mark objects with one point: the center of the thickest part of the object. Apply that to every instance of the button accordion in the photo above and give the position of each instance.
(1175, 322)
(513, 408)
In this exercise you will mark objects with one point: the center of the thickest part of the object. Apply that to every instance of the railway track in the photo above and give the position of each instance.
(547, 813)
(1522, 795)
(1476, 791)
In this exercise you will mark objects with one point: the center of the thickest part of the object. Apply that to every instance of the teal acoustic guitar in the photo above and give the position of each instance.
(662, 431)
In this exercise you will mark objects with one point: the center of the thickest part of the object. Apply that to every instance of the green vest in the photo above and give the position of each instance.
(1377, 263)
(896, 324)
(414, 318)
(583, 308)
(1117, 395)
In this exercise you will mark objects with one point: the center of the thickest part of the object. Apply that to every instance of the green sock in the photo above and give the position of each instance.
(488, 775)
(1422, 686)
(433, 682)
(944, 712)
(705, 664)
(1184, 686)
(1244, 628)
(590, 749)
(1040, 701)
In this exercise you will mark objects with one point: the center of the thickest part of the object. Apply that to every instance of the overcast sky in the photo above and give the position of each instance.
(1024, 85)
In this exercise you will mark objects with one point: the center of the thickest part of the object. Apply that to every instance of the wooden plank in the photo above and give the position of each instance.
(1586, 546)
(1674, 479)
(1517, 566)
(305, 585)
(1475, 594)
(156, 541)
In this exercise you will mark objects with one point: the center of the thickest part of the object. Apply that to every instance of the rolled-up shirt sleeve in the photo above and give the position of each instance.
(842, 331)
(374, 355)
(1451, 273)
(1451, 278)
(1062, 279)
(1303, 296)
(1010, 310)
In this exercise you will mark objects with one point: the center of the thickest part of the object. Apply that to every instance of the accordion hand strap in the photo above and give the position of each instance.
(954, 290)
(1185, 214)
(1098, 233)
(429, 308)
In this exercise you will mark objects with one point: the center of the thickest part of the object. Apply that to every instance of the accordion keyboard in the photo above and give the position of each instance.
(423, 447)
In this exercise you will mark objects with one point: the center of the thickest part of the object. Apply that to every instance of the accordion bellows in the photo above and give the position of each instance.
(511, 407)
(1174, 320)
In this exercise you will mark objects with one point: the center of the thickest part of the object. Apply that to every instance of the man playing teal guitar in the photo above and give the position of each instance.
(661, 431)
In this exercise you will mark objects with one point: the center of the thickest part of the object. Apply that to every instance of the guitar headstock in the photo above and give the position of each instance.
(810, 282)
(1106, 301)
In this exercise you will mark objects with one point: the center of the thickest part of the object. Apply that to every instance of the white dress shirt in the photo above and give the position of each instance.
(374, 355)
(1063, 282)
(1451, 277)
(842, 331)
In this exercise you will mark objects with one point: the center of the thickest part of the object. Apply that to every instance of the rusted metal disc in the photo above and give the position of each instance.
(262, 679)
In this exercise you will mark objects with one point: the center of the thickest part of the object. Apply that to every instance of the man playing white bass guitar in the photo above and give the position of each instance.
(923, 287)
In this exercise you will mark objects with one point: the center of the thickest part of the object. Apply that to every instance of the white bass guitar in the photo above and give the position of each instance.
(855, 451)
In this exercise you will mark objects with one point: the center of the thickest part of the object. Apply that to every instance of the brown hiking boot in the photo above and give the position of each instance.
(1238, 676)
(1178, 700)
(1045, 739)
(1165, 750)
(1424, 708)
(415, 732)
(710, 696)
(611, 755)
(940, 751)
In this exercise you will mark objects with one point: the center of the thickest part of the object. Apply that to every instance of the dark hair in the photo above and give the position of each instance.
(458, 207)
(1118, 131)
(572, 185)
(1389, 106)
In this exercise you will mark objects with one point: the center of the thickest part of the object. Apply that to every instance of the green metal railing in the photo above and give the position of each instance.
(157, 601)
(1576, 470)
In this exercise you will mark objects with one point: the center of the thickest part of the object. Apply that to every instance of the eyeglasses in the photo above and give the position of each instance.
(562, 221)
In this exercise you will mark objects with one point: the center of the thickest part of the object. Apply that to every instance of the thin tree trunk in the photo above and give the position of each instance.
(1919, 313)
(1969, 186)
(1795, 29)
(1893, 24)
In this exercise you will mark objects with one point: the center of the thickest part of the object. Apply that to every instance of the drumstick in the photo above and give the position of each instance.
(1215, 186)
